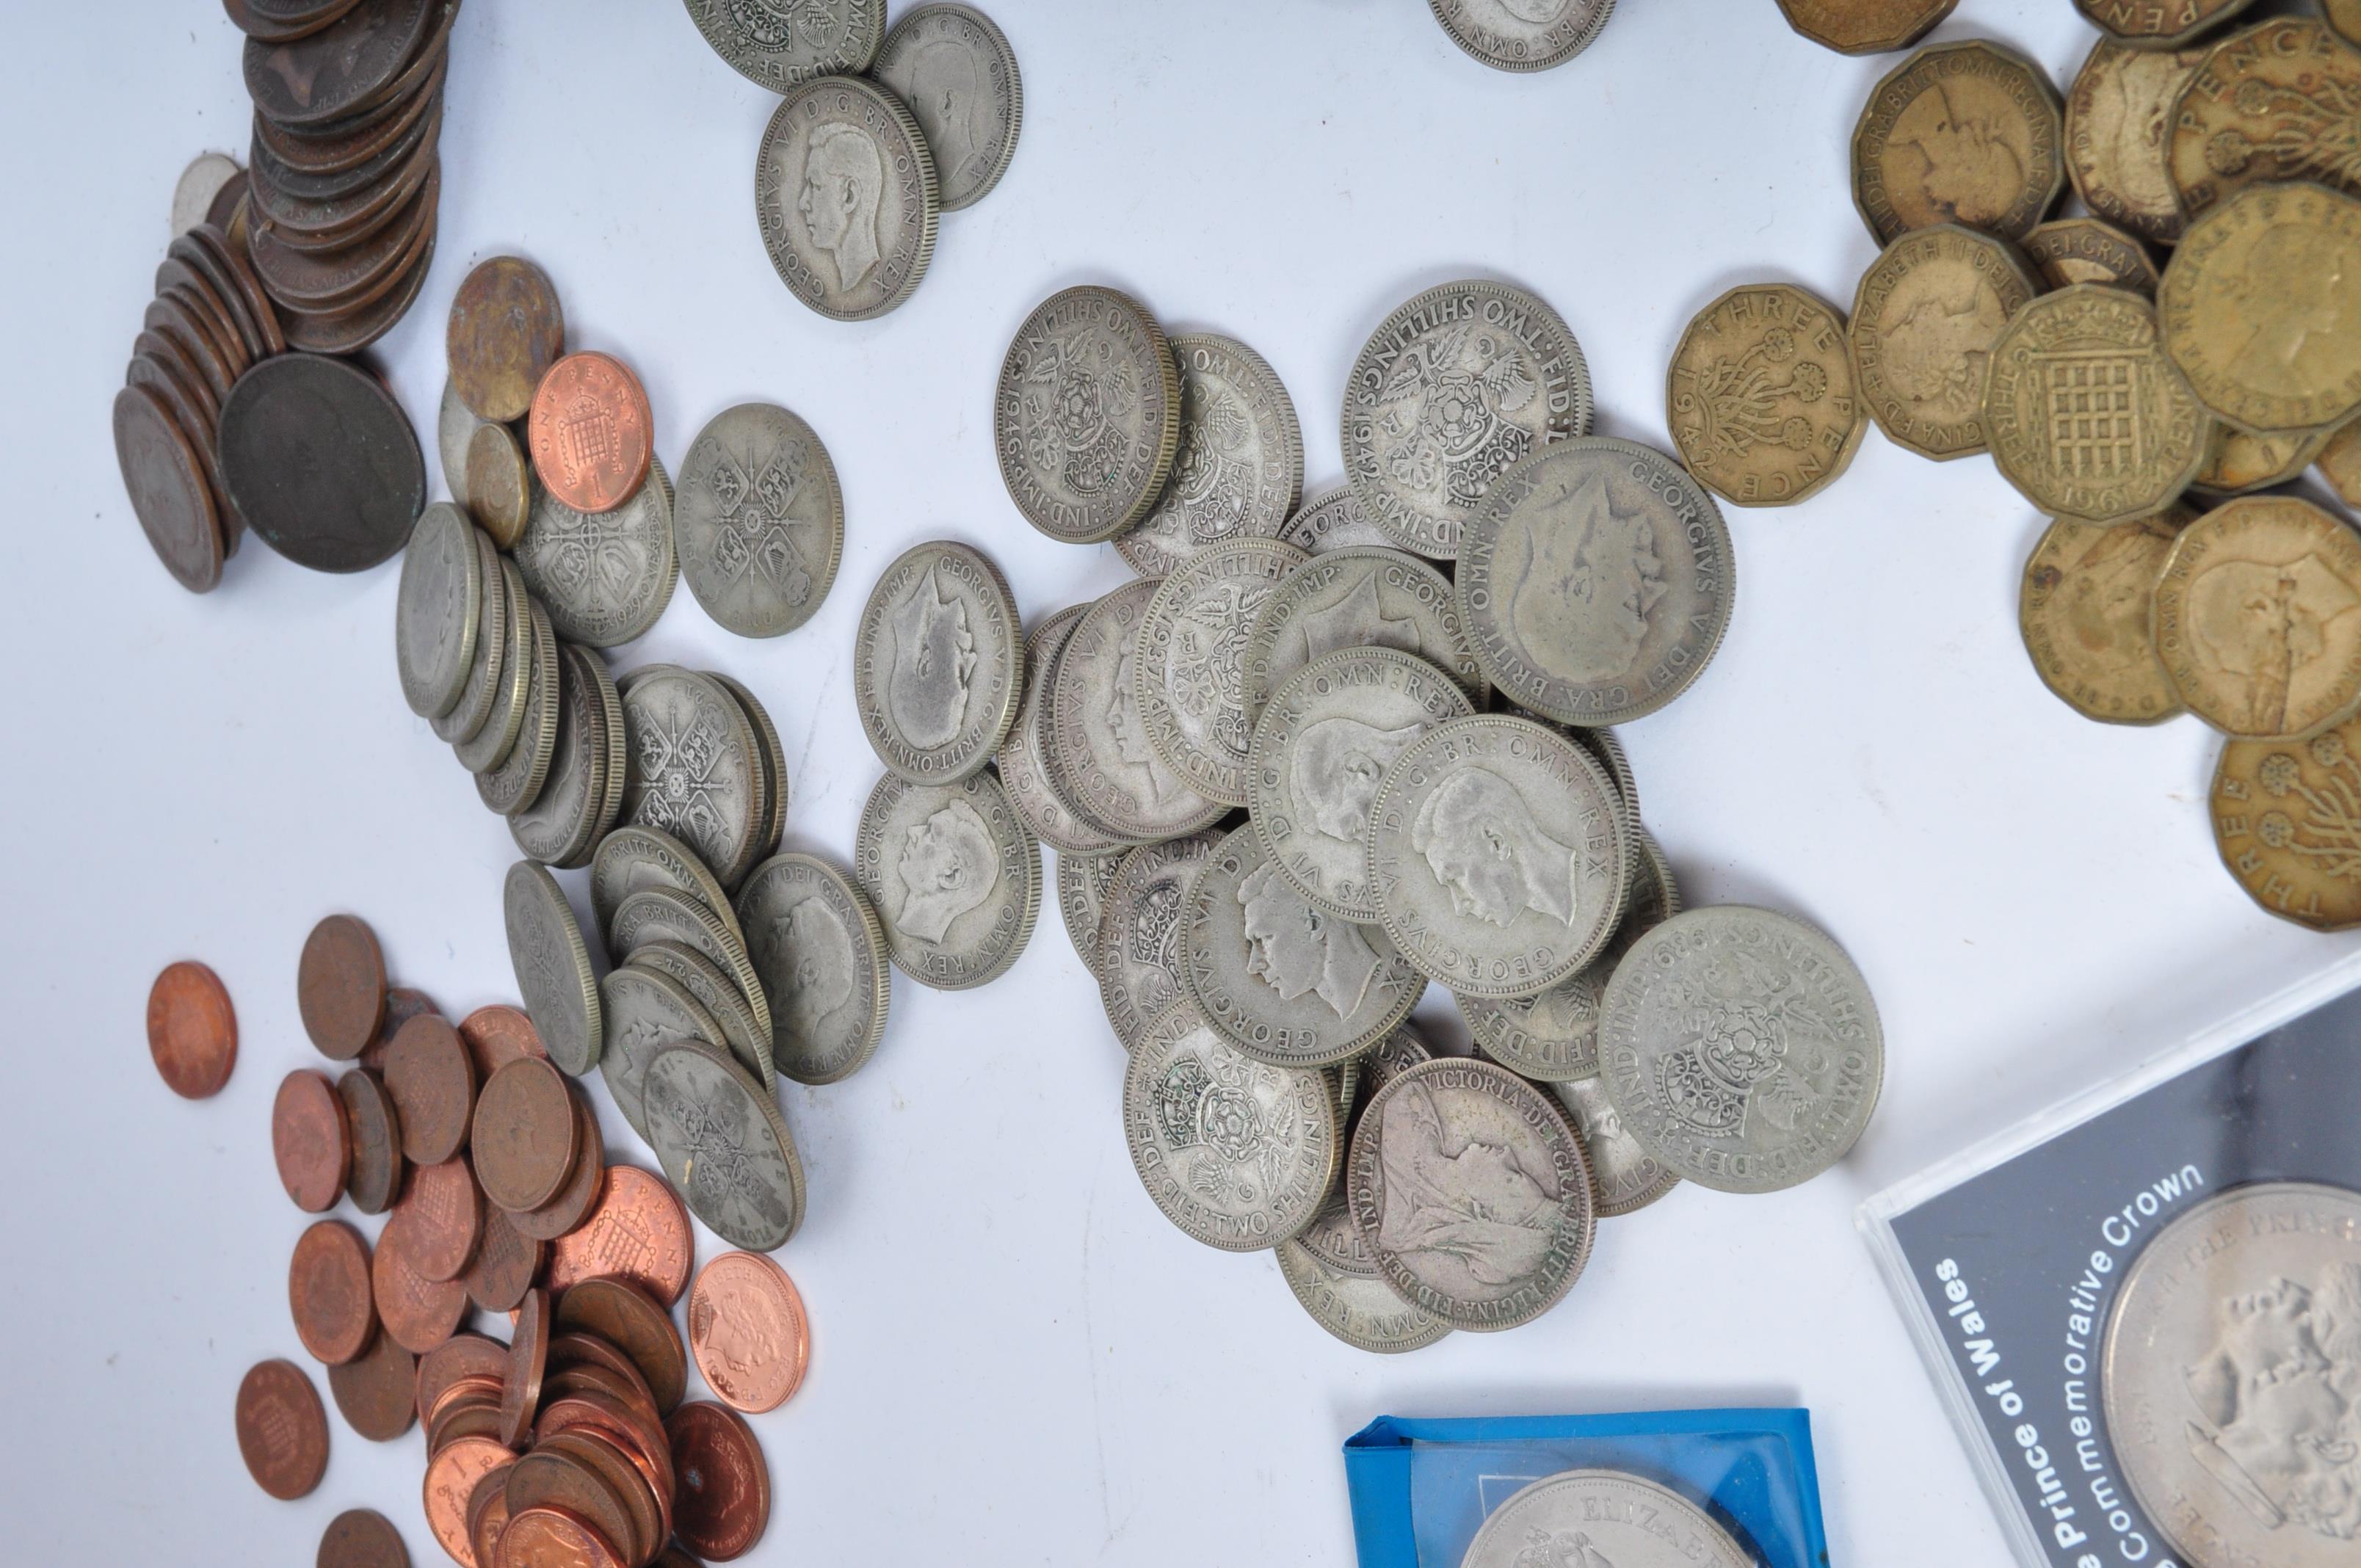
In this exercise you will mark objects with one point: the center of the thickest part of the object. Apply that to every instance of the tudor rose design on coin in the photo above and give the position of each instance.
(1523, 35)
(2283, 817)
(782, 45)
(1238, 470)
(1086, 414)
(821, 951)
(759, 521)
(2086, 611)
(603, 577)
(845, 193)
(1961, 133)
(953, 875)
(951, 64)
(694, 774)
(1588, 1517)
(722, 1144)
(1189, 675)
(2261, 308)
(2259, 617)
(1135, 951)
(1099, 752)
(1924, 321)
(938, 662)
(1760, 395)
(1357, 598)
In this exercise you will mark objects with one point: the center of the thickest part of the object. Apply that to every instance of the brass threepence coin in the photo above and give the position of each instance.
(2242, 462)
(2259, 617)
(2087, 613)
(1864, 27)
(191, 1030)
(282, 1429)
(845, 193)
(2339, 463)
(2287, 815)
(506, 330)
(2146, 26)
(1760, 396)
(2084, 250)
(2118, 126)
(2280, 101)
(1963, 133)
(1924, 321)
(1086, 414)
(340, 986)
(2261, 308)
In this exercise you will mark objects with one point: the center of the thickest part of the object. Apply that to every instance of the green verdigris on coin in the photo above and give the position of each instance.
(1238, 470)
(938, 662)
(759, 521)
(722, 1143)
(821, 953)
(845, 192)
(1086, 414)
(552, 968)
(953, 875)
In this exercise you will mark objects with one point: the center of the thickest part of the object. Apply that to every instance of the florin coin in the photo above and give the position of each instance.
(1099, 754)
(2086, 612)
(820, 952)
(1357, 598)
(696, 772)
(722, 1144)
(704, 979)
(1362, 1310)
(1609, 1515)
(938, 662)
(952, 873)
(845, 193)
(1523, 35)
(1864, 27)
(508, 680)
(643, 1012)
(1740, 1047)
(321, 462)
(1451, 388)
(2259, 308)
(2254, 617)
(604, 577)
(2084, 250)
(591, 433)
(560, 824)
(660, 915)
(2280, 101)
(1188, 677)
(957, 74)
(2228, 1372)
(1594, 581)
(1333, 521)
(2242, 462)
(1760, 396)
(1961, 133)
(1135, 954)
(771, 752)
(1082, 884)
(1238, 471)
(480, 692)
(633, 858)
(514, 782)
(2283, 813)
(1024, 756)
(759, 521)
(1625, 1176)
(1086, 414)
(1236, 1153)
(506, 330)
(552, 968)
(780, 47)
(2118, 119)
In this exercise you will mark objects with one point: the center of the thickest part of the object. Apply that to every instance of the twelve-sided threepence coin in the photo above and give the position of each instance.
(2259, 307)
(845, 192)
(1099, 754)
(1357, 598)
(1474, 1192)
(1287, 982)
(552, 968)
(722, 1143)
(759, 521)
(1500, 854)
(1086, 415)
(438, 609)
(1449, 390)
(2240, 650)
(1521, 35)
(782, 45)
(954, 875)
(1913, 163)
(821, 951)
(957, 74)
(661, 915)
(1137, 954)
(1742, 1048)
(1360, 1309)
(1925, 319)
(1190, 677)
(603, 577)
(1025, 758)
(644, 1012)
(1607, 1516)
(1235, 1152)
(1238, 471)
(695, 773)
(1325, 741)
(938, 662)
(1595, 581)
(633, 858)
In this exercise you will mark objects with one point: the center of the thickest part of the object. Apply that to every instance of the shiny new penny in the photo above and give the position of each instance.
(361, 1538)
(2259, 617)
(573, 1201)
(524, 1136)
(639, 1232)
(432, 1078)
(723, 1503)
(283, 1428)
(310, 1140)
(506, 1262)
(191, 1030)
(748, 1332)
(622, 1314)
(507, 329)
(439, 1219)
(340, 986)
(328, 1293)
(591, 433)
(451, 1477)
(419, 1312)
(499, 1034)
(377, 1391)
(2284, 812)
(2086, 611)
(375, 1178)
(528, 1358)
(551, 1537)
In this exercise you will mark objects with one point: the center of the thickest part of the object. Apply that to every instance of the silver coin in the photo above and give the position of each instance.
(1099, 756)
(1323, 742)
(454, 426)
(2229, 1375)
(845, 193)
(1024, 759)
(558, 828)
(603, 577)
(1235, 1152)
(193, 195)
(695, 773)
(552, 968)
(770, 778)
(633, 858)
(958, 75)
(758, 521)
(1604, 744)
(1137, 953)
(722, 1145)
(1625, 1178)
(952, 873)
(1288, 983)
(1740, 1047)
(1474, 1193)
(511, 685)
(781, 44)
(1190, 676)
(1587, 1517)
(1086, 414)
(937, 662)
(619, 754)
(516, 781)
(821, 953)
(1450, 389)
(1595, 581)
(1553, 1035)
(480, 694)
(1082, 884)
(698, 975)
(437, 610)
(1364, 597)
(1333, 521)
(661, 915)
(644, 1012)
(1363, 1312)
(1499, 855)
(1238, 470)
(1332, 1235)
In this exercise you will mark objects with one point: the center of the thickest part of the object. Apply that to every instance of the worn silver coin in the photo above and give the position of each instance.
(1086, 414)
(1740, 1047)
(619, 754)
(552, 968)
(1450, 389)
(454, 425)
(1589, 1517)
(1361, 1310)
(1082, 884)
(845, 193)
(821, 953)
(512, 682)
(714, 992)
(1238, 471)
(200, 183)
(1190, 677)
(561, 826)
(438, 609)
(771, 777)
(938, 662)
(661, 915)
(722, 1141)
(1333, 521)
(1523, 35)
(645, 1011)
(953, 875)
(780, 43)
(1024, 756)
(1099, 754)
(1357, 598)
(696, 772)
(633, 858)
(479, 692)
(1137, 953)
(758, 520)
(1332, 1235)
(604, 576)
(1626, 1178)
(957, 74)
(515, 781)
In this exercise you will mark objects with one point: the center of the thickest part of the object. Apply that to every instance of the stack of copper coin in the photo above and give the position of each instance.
(344, 168)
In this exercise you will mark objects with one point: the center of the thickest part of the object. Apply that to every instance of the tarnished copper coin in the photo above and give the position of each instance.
(507, 1261)
(191, 1030)
(507, 329)
(328, 1293)
(621, 1313)
(566, 1477)
(375, 1178)
(499, 485)
(440, 1220)
(321, 461)
(402, 1003)
(340, 986)
(283, 1428)
(340, 69)
(170, 492)
(419, 1312)
(528, 1357)
(723, 1502)
(362, 1537)
(378, 1392)
(748, 1332)
(639, 1232)
(523, 1135)
(551, 1537)
(499, 1034)
(592, 434)
(433, 1080)
(461, 1355)
(310, 1140)
(573, 1203)
(487, 1515)
(451, 1477)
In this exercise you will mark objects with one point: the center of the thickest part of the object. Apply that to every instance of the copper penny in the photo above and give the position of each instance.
(724, 1496)
(621, 1313)
(618, 1373)
(500, 486)
(328, 1293)
(349, 330)
(487, 1514)
(613, 1460)
(237, 262)
(419, 1312)
(362, 1537)
(499, 1034)
(310, 1140)
(433, 1080)
(379, 1392)
(506, 1262)
(507, 329)
(191, 1030)
(566, 1212)
(439, 1219)
(524, 1135)
(639, 1232)
(461, 1355)
(674, 1556)
(553, 1538)
(283, 1428)
(402, 1003)
(340, 986)
(326, 151)
(748, 1332)
(451, 1477)
(168, 487)
(528, 1358)
(375, 1178)
(558, 1476)
(592, 435)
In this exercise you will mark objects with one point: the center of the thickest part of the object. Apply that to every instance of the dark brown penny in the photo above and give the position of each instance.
(624, 1316)
(310, 1140)
(675, 1556)
(201, 312)
(362, 1537)
(204, 251)
(283, 1428)
(321, 151)
(154, 375)
(507, 329)
(237, 264)
(170, 321)
(499, 1034)
(461, 1355)
(469, 1412)
(573, 1201)
(506, 1263)
(228, 211)
(350, 331)
(343, 221)
(433, 1080)
(425, 61)
(639, 1232)
(500, 484)
(338, 68)
(374, 1180)
(322, 463)
(191, 1030)
(314, 185)
(528, 1358)
(169, 490)
(551, 1478)
(340, 986)
(328, 1293)
(402, 1003)
(524, 1136)
(439, 1219)
(378, 1392)
(155, 345)
(280, 21)
(349, 276)
(724, 1487)
(419, 1312)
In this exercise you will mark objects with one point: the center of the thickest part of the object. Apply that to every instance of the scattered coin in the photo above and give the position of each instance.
(938, 662)
(832, 36)
(1188, 676)
(1099, 756)
(1517, 35)
(2086, 611)
(604, 576)
(431, 1079)
(507, 328)
(1924, 323)
(1761, 396)
(522, 1134)
(328, 1293)
(1355, 597)
(440, 1220)
(419, 1313)
(2271, 103)
(376, 1392)
(2119, 118)
(552, 968)
(591, 432)
(2253, 308)
(340, 986)
(2084, 250)
(1607, 1511)
(191, 1030)
(362, 1537)
(1238, 470)
(1864, 27)
(282, 1431)
(748, 1332)
(1963, 133)
(955, 71)
(1023, 758)
(2263, 674)
(953, 875)
(1362, 1310)
(170, 493)
(759, 521)
(321, 462)
(309, 1140)
(724, 1503)
(2282, 813)
(845, 193)
(1086, 414)
(1135, 952)
(722, 1144)
(821, 951)
(698, 772)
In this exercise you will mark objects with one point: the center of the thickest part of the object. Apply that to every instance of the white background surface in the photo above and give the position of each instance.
(1015, 1359)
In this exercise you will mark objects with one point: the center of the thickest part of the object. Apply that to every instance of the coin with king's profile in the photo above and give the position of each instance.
(953, 875)
(1099, 754)
(938, 662)
(844, 190)
(957, 74)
